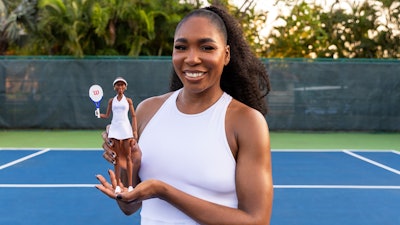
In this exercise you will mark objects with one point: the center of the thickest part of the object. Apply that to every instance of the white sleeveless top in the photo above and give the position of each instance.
(191, 153)
(120, 127)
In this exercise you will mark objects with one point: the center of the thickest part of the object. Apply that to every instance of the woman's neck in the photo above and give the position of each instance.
(193, 103)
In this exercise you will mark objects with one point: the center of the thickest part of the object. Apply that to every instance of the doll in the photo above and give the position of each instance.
(121, 132)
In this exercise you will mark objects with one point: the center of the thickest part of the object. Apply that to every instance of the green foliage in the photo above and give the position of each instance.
(109, 27)
(15, 19)
(101, 27)
(116, 27)
(348, 30)
(62, 27)
(303, 34)
(251, 20)
(165, 23)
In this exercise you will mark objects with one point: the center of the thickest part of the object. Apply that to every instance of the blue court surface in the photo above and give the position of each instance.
(327, 187)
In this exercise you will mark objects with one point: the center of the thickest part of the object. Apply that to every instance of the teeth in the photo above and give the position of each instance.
(194, 74)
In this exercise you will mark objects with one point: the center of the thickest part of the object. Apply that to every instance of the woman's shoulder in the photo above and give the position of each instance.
(244, 125)
(241, 112)
(241, 117)
(148, 108)
(154, 102)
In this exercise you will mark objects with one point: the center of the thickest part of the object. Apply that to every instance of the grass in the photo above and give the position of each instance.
(279, 140)
(335, 140)
(50, 139)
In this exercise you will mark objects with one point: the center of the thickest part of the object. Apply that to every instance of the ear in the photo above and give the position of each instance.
(227, 55)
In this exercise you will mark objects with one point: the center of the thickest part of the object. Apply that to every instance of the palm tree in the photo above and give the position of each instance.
(16, 19)
(61, 27)
(125, 25)
(97, 27)
(3, 18)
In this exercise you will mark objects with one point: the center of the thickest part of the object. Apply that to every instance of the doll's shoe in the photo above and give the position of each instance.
(117, 190)
(130, 189)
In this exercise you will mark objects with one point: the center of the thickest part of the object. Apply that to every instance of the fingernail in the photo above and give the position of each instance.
(113, 154)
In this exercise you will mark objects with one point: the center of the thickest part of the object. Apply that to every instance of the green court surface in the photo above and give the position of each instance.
(279, 140)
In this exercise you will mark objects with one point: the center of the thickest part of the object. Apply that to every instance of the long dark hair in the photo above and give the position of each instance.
(245, 78)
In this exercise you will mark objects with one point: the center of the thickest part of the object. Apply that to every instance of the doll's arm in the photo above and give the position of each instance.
(133, 115)
(108, 112)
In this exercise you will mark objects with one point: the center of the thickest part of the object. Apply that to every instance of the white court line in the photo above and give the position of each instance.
(46, 185)
(396, 152)
(24, 158)
(372, 162)
(335, 187)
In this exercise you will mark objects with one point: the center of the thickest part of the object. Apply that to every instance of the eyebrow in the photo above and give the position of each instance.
(201, 41)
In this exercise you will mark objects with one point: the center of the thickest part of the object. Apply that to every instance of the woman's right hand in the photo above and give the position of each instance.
(110, 155)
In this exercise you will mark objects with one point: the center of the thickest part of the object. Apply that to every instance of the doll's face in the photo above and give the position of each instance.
(120, 87)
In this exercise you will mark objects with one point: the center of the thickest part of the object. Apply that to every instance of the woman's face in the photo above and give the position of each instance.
(200, 54)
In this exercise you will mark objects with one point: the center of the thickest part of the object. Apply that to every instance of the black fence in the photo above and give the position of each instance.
(345, 95)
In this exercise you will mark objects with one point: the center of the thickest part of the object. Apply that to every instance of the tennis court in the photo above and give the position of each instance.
(322, 187)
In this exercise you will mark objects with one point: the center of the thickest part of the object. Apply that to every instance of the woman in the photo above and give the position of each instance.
(204, 157)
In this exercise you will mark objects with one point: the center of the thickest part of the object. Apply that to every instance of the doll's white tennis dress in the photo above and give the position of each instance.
(120, 127)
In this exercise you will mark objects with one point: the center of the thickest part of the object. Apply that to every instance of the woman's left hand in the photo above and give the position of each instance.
(145, 190)
(107, 188)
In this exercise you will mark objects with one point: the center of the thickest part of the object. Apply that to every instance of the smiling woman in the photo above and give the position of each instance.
(242, 72)
(203, 153)
(199, 59)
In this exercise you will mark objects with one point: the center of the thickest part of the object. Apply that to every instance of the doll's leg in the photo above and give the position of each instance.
(129, 164)
(117, 148)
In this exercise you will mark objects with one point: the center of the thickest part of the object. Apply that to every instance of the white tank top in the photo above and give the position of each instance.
(191, 153)
(120, 127)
